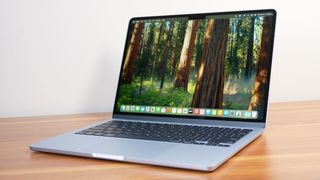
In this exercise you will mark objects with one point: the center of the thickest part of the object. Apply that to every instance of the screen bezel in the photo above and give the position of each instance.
(206, 118)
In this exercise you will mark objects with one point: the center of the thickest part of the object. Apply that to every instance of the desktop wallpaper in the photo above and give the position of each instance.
(220, 63)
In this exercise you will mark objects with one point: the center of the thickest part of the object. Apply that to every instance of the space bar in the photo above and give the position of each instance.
(138, 137)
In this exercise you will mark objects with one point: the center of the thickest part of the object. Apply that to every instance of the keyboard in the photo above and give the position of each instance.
(176, 133)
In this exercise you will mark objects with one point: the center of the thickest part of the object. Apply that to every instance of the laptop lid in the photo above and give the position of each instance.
(210, 66)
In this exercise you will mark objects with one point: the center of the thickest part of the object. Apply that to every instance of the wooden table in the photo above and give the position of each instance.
(289, 149)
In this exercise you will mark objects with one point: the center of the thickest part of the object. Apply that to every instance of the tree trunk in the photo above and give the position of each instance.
(173, 53)
(166, 53)
(172, 63)
(178, 47)
(157, 52)
(182, 78)
(132, 53)
(207, 39)
(260, 86)
(249, 63)
(142, 44)
(210, 82)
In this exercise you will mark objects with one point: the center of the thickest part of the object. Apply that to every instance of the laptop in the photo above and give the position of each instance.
(192, 92)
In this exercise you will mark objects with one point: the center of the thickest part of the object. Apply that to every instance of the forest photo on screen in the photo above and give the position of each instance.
(220, 63)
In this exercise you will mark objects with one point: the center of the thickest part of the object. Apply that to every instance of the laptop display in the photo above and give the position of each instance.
(214, 66)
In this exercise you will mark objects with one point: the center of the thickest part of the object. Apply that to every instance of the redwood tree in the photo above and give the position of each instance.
(182, 77)
(210, 82)
(260, 85)
(132, 53)
(206, 42)
(176, 51)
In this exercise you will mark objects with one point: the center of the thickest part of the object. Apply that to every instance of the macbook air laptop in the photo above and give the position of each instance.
(192, 92)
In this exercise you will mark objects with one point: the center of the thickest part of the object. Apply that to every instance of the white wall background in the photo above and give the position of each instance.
(63, 56)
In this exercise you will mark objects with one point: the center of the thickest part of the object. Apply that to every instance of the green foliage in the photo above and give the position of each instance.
(152, 96)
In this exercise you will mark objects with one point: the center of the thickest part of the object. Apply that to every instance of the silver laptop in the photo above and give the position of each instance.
(192, 92)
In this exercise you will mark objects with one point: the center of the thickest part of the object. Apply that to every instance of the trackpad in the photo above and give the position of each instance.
(128, 148)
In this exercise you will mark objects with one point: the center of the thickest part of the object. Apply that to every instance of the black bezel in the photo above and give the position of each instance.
(200, 16)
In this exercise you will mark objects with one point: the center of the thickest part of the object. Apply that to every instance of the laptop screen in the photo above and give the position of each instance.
(210, 66)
